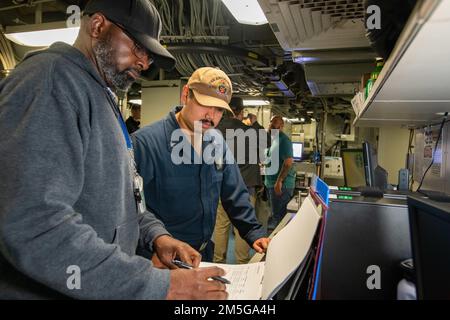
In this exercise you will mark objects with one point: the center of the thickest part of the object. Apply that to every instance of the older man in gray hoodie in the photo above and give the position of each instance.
(71, 209)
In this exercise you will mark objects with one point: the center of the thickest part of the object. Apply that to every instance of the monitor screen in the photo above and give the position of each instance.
(298, 150)
(430, 235)
(375, 175)
(370, 163)
(353, 163)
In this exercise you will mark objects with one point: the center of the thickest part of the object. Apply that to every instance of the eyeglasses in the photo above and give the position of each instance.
(138, 50)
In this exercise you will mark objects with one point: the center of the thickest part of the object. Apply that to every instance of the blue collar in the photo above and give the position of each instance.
(171, 124)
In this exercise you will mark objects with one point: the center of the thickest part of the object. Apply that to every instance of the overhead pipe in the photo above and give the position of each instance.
(28, 4)
(38, 14)
(201, 48)
(323, 135)
(334, 56)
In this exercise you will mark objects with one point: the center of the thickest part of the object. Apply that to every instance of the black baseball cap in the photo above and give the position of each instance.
(237, 105)
(141, 20)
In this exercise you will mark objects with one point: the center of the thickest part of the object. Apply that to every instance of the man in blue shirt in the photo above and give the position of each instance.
(182, 184)
(280, 185)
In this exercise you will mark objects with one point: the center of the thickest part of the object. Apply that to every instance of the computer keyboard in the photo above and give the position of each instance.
(371, 192)
(436, 195)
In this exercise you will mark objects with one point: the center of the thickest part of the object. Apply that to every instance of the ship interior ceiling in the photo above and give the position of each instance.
(306, 63)
(362, 162)
(301, 80)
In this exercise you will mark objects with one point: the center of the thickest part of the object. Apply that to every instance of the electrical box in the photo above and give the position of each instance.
(403, 180)
(347, 137)
(308, 145)
(333, 168)
(298, 137)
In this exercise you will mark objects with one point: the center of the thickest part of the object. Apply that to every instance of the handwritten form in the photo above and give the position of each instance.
(245, 279)
(287, 250)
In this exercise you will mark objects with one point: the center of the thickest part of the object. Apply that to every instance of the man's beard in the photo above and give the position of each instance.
(105, 53)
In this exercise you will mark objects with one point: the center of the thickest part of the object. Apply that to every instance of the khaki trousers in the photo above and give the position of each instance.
(220, 238)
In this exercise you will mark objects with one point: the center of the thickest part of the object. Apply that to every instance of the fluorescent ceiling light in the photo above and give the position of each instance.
(256, 103)
(41, 35)
(246, 11)
(136, 101)
(294, 120)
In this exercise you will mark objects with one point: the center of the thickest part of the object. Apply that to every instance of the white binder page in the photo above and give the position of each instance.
(289, 247)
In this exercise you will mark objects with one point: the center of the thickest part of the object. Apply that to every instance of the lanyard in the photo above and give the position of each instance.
(120, 119)
(126, 135)
(138, 184)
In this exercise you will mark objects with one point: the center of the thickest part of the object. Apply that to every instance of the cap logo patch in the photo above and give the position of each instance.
(220, 84)
(222, 89)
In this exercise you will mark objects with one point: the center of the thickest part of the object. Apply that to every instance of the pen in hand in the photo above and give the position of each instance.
(184, 265)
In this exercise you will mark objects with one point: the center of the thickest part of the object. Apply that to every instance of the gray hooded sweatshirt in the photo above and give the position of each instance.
(69, 227)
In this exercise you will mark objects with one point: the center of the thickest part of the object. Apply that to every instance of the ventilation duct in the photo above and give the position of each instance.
(327, 38)
(308, 24)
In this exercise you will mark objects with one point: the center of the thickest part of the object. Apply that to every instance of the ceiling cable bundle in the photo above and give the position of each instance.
(190, 24)
(203, 25)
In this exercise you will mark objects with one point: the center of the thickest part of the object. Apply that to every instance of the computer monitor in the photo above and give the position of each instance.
(298, 150)
(375, 175)
(430, 237)
(362, 232)
(352, 160)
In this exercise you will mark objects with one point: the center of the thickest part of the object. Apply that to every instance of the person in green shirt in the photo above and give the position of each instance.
(280, 186)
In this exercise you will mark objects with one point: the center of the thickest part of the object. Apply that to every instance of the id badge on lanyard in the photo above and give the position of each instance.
(138, 190)
(138, 182)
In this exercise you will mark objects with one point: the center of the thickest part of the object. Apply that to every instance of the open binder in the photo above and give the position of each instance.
(288, 252)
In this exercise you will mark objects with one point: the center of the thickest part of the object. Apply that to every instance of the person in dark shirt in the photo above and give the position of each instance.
(250, 171)
(133, 122)
(251, 120)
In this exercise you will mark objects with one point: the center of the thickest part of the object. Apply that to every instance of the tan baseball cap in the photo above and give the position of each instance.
(211, 87)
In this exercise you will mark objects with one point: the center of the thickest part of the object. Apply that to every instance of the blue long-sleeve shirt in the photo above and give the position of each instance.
(185, 196)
